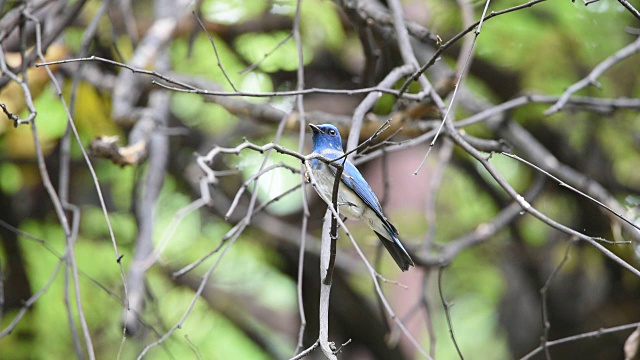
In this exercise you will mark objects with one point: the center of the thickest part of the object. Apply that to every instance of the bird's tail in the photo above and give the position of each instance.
(397, 251)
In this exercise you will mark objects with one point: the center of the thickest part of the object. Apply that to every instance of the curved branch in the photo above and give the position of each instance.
(592, 78)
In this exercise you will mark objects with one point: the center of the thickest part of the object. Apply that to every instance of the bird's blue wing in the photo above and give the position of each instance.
(354, 181)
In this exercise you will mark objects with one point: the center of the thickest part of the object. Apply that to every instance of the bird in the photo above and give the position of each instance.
(356, 200)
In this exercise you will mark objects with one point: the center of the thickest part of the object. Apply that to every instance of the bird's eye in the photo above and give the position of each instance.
(332, 132)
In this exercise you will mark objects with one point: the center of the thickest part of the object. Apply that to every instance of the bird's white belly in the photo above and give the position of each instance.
(349, 203)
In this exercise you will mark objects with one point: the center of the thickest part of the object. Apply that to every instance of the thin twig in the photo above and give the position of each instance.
(334, 222)
(592, 78)
(460, 77)
(32, 300)
(62, 257)
(215, 50)
(565, 185)
(631, 9)
(13, 117)
(306, 351)
(586, 335)
(372, 272)
(295, 32)
(267, 54)
(71, 233)
(447, 307)
(543, 294)
(427, 314)
(435, 180)
(526, 206)
(253, 178)
(301, 312)
(369, 101)
(605, 106)
(86, 158)
(186, 88)
(458, 36)
(64, 177)
(184, 317)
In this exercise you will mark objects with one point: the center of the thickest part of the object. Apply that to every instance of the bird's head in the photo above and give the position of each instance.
(325, 136)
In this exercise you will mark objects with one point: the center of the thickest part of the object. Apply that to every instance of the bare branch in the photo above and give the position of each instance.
(460, 75)
(582, 336)
(526, 206)
(447, 312)
(327, 347)
(630, 7)
(563, 184)
(604, 106)
(372, 272)
(215, 50)
(592, 78)
(454, 39)
(543, 294)
(186, 88)
(482, 232)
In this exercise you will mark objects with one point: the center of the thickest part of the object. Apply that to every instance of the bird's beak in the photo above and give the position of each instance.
(315, 129)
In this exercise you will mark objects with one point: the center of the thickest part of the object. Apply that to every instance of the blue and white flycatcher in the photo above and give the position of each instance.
(356, 200)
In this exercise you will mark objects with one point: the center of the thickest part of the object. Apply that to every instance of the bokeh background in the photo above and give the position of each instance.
(144, 141)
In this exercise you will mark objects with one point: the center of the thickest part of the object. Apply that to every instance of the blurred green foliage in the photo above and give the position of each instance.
(548, 47)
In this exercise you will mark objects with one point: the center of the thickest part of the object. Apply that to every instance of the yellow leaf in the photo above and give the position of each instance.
(37, 78)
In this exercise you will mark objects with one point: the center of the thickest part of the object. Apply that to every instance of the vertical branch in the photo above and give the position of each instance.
(145, 132)
(466, 51)
(330, 217)
(334, 222)
(72, 324)
(385, 178)
(372, 273)
(303, 240)
(71, 234)
(295, 32)
(157, 116)
(543, 294)
(447, 307)
(435, 180)
(427, 314)
(460, 73)
(72, 267)
(47, 180)
(369, 101)
(404, 44)
(325, 288)
(65, 168)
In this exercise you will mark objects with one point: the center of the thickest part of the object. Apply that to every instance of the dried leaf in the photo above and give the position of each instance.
(631, 345)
